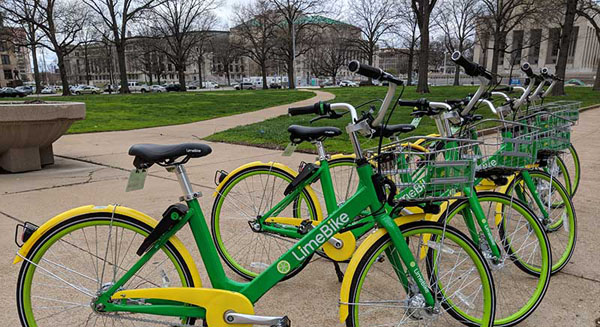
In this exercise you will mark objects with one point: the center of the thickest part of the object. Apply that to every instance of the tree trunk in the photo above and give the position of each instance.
(457, 76)
(200, 71)
(181, 77)
(63, 72)
(597, 81)
(291, 75)
(36, 70)
(263, 71)
(411, 59)
(122, 66)
(229, 77)
(422, 86)
(565, 41)
(334, 79)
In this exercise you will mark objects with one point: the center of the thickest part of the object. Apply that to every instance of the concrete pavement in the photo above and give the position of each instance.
(93, 169)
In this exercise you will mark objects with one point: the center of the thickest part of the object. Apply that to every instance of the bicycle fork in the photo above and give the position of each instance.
(482, 221)
(403, 257)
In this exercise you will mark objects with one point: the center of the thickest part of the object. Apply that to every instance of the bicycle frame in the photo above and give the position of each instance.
(364, 198)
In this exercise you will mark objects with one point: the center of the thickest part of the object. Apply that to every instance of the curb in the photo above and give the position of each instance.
(594, 106)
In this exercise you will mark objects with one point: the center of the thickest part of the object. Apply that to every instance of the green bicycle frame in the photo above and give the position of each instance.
(364, 198)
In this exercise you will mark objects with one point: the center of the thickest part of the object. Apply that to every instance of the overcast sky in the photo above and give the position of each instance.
(224, 12)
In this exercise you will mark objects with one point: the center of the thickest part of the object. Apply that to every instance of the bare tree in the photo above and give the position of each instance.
(179, 24)
(117, 16)
(225, 54)
(502, 16)
(332, 53)
(255, 33)
(590, 10)
(406, 36)
(566, 36)
(456, 20)
(24, 32)
(423, 10)
(375, 18)
(61, 21)
(292, 20)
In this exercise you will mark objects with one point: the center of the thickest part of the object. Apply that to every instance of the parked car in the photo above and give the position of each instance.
(157, 89)
(87, 89)
(192, 86)
(173, 88)
(9, 92)
(346, 83)
(110, 88)
(575, 81)
(210, 85)
(274, 86)
(48, 90)
(25, 89)
(245, 86)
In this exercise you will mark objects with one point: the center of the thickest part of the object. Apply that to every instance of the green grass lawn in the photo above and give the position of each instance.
(273, 134)
(124, 112)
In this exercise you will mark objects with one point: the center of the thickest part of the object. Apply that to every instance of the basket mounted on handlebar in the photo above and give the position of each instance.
(507, 146)
(440, 173)
(554, 123)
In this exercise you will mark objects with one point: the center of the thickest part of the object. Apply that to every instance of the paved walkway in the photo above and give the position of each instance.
(93, 169)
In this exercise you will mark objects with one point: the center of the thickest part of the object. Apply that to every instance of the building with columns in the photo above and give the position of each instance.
(539, 46)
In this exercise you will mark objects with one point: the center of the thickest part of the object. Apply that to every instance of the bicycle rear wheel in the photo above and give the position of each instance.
(458, 276)
(84, 255)
(241, 200)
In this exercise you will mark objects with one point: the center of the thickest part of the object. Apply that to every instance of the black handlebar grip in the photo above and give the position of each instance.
(526, 68)
(365, 70)
(413, 103)
(471, 68)
(504, 89)
(306, 110)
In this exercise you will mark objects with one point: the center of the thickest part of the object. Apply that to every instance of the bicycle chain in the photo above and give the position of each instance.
(152, 321)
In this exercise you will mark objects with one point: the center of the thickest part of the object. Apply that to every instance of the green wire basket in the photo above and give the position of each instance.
(439, 173)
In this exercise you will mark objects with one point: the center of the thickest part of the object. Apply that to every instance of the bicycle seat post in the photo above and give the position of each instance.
(184, 182)
(320, 150)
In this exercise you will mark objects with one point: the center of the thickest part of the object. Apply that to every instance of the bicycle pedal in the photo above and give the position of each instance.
(240, 318)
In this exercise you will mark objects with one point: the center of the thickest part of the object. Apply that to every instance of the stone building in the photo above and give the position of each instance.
(96, 62)
(539, 46)
(16, 65)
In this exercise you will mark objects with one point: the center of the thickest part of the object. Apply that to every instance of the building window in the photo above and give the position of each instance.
(553, 45)
(5, 60)
(535, 39)
(8, 74)
(517, 47)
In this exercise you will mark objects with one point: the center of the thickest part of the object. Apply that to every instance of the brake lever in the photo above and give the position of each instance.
(331, 115)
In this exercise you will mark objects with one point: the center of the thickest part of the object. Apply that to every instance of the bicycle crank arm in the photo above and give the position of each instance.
(240, 318)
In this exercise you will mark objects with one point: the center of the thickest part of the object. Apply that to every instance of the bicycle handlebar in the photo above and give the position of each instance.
(319, 108)
(372, 72)
(471, 68)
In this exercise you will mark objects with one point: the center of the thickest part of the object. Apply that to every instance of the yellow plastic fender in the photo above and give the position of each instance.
(360, 252)
(283, 167)
(216, 302)
(22, 253)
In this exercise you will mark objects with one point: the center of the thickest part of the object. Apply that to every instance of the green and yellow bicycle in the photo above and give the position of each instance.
(107, 265)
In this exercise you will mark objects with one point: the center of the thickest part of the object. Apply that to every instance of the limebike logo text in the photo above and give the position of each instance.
(415, 191)
(490, 164)
(326, 231)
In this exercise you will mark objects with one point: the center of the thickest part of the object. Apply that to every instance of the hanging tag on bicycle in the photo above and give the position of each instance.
(136, 181)
(415, 122)
(289, 149)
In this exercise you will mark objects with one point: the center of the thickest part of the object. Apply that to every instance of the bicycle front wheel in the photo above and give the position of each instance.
(561, 223)
(85, 255)
(457, 275)
(522, 272)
